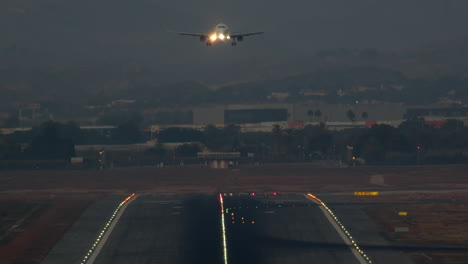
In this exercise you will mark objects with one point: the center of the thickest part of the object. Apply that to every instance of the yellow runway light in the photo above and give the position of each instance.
(314, 197)
(366, 193)
(403, 213)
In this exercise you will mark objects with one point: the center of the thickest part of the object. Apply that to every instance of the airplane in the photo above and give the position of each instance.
(220, 33)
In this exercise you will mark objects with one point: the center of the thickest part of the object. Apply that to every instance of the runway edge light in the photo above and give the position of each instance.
(342, 227)
(366, 193)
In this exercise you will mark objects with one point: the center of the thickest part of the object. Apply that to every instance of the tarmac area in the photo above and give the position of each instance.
(76, 242)
(367, 232)
(258, 228)
(281, 228)
(42, 207)
(166, 229)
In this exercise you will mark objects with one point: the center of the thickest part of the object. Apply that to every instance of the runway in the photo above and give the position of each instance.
(223, 228)
(166, 229)
(258, 228)
(281, 229)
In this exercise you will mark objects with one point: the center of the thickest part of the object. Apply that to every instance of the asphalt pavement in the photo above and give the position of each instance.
(280, 228)
(166, 229)
(258, 228)
(76, 242)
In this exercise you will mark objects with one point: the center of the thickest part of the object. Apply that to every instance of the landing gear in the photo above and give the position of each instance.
(208, 43)
(234, 43)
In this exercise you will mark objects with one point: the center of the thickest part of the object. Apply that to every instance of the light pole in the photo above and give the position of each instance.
(349, 155)
(418, 148)
(101, 159)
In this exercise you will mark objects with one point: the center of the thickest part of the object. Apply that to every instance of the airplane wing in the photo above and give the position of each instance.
(236, 35)
(191, 34)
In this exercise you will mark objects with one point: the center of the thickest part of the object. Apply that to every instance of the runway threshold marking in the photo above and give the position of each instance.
(342, 232)
(223, 229)
(106, 231)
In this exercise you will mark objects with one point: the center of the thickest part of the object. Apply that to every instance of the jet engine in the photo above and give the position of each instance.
(202, 38)
(240, 38)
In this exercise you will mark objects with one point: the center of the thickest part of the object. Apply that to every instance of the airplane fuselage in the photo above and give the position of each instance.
(221, 32)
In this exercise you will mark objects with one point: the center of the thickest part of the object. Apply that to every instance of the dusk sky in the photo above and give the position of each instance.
(64, 32)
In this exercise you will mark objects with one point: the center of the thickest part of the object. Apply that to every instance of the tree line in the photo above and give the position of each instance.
(412, 142)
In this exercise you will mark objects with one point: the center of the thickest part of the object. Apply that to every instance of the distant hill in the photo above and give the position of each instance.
(415, 76)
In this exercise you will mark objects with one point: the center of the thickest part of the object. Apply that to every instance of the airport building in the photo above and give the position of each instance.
(260, 117)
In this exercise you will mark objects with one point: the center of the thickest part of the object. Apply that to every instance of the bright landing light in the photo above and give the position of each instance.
(221, 36)
(213, 37)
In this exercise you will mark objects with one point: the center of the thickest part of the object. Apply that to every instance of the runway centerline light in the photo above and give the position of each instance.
(223, 230)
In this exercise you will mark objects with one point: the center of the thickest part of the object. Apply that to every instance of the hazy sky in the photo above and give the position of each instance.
(89, 31)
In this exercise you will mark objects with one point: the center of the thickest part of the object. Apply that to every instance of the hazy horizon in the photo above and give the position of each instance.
(67, 33)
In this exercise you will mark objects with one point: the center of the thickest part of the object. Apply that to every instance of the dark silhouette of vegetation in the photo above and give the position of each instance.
(158, 152)
(351, 115)
(318, 114)
(127, 133)
(51, 140)
(222, 139)
(364, 115)
(187, 150)
(381, 144)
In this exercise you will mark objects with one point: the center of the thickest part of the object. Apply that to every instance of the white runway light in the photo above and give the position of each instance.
(363, 257)
(223, 229)
(95, 245)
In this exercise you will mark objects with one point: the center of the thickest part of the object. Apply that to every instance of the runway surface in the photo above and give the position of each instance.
(259, 228)
(166, 229)
(76, 242)
(281, 229)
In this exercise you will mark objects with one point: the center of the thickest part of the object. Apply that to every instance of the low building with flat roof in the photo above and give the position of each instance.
(219, 160)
